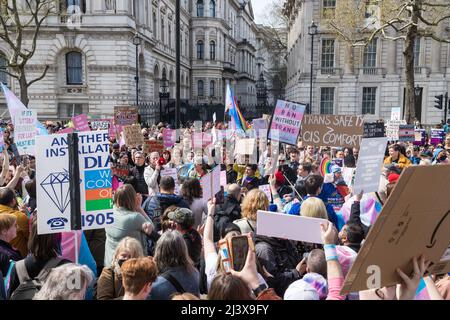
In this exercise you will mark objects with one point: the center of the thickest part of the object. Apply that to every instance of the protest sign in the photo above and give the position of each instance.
(370, 160)
(413, 221)
(52, 176)
(392, 127)
(406, 133)
(437, 136)
(266, 189)
(207, 139)
(101, 124)
(153, 146)
(223, 178)
(25, 131)
(286, 120)
(285, 226)
(125, 116)
(81, 123)
(374, 130)
(245, 146)
(2, 140)
(419, 137)
(133, 135)
(333, 131)
(169, 138)
(66, 130)
(396, 114)
(210, 183)
(172, 172)
(258, 125)
(120, 170)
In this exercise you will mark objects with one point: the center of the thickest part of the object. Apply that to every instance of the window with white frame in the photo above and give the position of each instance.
(74, 68)
(370, 54)
(327, 100)
(417, 52)
(212, 8)
(200, 88)
(327, 59)
(200, 8)
(68, 110)
(369, 100)
(328, 8)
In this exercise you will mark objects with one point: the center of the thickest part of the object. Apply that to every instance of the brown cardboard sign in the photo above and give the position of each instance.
(133, 135)
(152, 146)
(332, 131)
(126, 115)
(415, 220)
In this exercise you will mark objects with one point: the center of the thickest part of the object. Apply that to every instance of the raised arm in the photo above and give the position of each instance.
(5, 167)
(208, 235)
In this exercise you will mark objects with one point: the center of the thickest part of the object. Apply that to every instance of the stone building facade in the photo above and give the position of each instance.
(366, 80)
(92, 60)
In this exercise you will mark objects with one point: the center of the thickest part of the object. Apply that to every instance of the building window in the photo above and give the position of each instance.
(73, 5)
(154, 23)
(417, 52)
(68, 110)
(370, 54)
(212, 50)
(212, 88)
(369, 99)
(200, 88)
(328, 8)
(200, 49)
(74, 68)
(3, 64)
(170, 35)
(200, 8)
(162, 30)
(212, 8)
(326, 100)
(327, 62)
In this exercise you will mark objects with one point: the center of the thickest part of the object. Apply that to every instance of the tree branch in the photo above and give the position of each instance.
(3, 70)
(39, 78)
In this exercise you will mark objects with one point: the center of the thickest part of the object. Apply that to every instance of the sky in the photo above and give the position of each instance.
(258, 9)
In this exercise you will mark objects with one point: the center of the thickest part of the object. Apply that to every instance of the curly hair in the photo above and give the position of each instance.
(191, 189)
(254, 200)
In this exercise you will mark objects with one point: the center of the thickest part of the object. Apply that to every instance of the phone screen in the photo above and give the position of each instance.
(239, 248)
(225, 255)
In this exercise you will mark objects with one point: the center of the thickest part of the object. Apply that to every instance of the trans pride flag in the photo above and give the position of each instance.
(237, 119)
(15, 106)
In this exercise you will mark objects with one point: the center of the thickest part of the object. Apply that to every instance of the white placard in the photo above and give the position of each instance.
(286, 226)
(25, 131)
(172, 172)
(52, 176)
(266, 189)
(370, 160)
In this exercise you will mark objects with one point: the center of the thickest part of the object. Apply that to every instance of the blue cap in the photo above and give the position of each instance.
(273, 207)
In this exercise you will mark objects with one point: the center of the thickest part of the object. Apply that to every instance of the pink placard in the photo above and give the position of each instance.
(66, 130)
(169, 138)
(81, 123)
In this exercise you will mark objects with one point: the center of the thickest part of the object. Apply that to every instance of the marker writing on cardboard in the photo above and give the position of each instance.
(433, 240)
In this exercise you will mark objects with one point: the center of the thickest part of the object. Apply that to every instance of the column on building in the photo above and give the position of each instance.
(348, 59)
(207, 48)
(121, 6)
(436, 51)
(97, 6)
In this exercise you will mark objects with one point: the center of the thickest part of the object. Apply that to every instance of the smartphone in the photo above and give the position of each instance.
(225, 255)
(239, 251)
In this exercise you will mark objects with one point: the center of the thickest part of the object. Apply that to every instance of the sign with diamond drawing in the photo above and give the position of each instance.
(53, 187)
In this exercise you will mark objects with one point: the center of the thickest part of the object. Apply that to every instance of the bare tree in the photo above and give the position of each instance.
(359, 22)
(18, 20)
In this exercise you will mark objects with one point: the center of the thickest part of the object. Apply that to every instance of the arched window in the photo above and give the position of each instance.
(212, 88)
(200, 8)
(200, 88)
(155, 22)
(200, 49)
(212, 8)
(3, 64)
(212, 50)
(74, 68)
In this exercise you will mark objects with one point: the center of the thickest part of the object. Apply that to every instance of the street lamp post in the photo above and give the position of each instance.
(163, 94)
(312, 31)
(137, 42)
(417, 93)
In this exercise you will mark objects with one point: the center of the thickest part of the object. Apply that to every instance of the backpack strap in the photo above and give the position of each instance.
(22, 272)
(7, 279)
(166, 275)
(52, 263)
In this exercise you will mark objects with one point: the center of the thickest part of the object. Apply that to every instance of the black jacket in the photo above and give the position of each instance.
(226, 213)
(355, 217)
(138, 173)
(280, 258)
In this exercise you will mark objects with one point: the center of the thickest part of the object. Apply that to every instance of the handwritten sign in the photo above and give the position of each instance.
(25, 131)
(266, 189)
(245, 146)
(169, 138)
(125, 115)
(172, 172)
(210, 183)
(419, 137)
(153, 146)
(101, 124)
(332, 130)
(286, 120)
(81, 123)
(133, 135)
(392, 127)
(374, 130)
(396, 114)
(258, 125)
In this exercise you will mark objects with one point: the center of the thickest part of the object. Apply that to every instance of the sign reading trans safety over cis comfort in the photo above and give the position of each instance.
(286, 121)
(52, 175)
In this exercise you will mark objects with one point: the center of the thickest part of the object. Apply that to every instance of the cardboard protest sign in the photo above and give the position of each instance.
(415, 220)
(81, 123)
(333, 131)
(133, 135)
(419, 137)
(153, 146)
(258, 125)
(370, 161)
(25, 131)
(101, 124)
(437, 136)
(406, 133)
(125, 115)
(285, 226)
(392, 127)
(66, 130)
(210, 183)
(287, 118)
(52, 176)
(172, 172)
(120, 170)
(169, 137)
(374, 130)
(245, 146)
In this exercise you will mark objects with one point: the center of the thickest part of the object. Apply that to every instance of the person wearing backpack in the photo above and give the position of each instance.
(229, 211)
(28, 275)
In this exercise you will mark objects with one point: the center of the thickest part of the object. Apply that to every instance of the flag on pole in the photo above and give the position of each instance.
(15, 106)
(237, 119)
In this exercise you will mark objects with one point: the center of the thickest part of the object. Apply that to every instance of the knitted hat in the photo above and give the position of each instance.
(311, 287)
(393, 177)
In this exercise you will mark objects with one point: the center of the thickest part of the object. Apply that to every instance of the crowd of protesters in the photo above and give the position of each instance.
(163, 243)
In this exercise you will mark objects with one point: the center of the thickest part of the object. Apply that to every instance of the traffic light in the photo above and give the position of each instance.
(438, 101)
